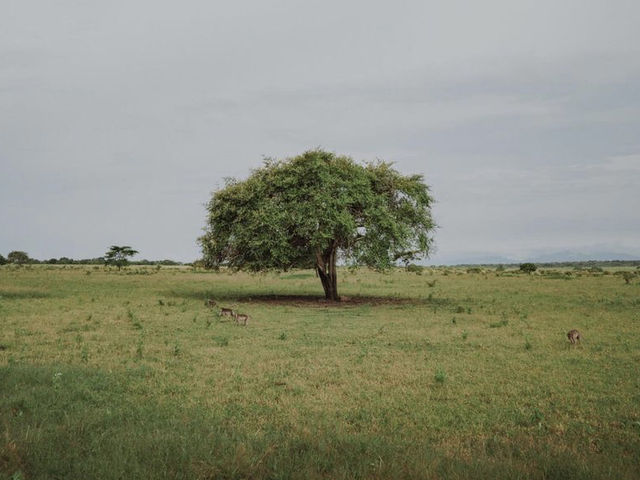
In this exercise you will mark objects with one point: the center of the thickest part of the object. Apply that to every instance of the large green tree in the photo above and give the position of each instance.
(314, 209)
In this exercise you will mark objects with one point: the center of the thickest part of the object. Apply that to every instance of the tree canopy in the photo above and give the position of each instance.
(18, 257)
(528, 267)
(314, 209)
(118, 255)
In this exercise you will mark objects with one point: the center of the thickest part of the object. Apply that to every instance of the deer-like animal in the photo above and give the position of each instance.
(226, 312)
(573, 336)
(242, 318)
(210, 302)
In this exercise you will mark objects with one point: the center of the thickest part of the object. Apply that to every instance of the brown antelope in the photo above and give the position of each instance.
(210, 302)
(242, 318)
(226, 312)
(573, 336)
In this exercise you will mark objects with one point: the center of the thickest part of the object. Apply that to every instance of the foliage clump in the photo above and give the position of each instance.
(315, 209)
(17, 257)
(628, 276)
(413, 268)
(528, 267)
(118, 256)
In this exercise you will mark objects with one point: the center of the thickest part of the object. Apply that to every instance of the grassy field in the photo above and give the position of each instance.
(447, 374)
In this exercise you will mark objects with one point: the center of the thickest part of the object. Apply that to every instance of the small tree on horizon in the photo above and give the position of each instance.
(18, 257)
(3, 261)
(528, 267)
(311, 210)
(118, 256)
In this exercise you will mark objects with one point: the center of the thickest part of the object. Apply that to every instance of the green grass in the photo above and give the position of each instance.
(129, 375)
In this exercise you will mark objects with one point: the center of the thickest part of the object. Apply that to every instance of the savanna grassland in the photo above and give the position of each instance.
(447, 374)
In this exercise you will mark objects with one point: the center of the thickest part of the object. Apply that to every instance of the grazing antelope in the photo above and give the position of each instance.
(573, 336)
(226, 312)
(242, 318)
(210, 302)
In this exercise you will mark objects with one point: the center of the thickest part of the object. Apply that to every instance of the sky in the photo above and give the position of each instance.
(119, 119)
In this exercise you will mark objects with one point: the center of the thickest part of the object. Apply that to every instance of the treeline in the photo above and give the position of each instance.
(22, 258)
(577, 264)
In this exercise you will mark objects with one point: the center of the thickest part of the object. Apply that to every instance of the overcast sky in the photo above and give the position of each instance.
(119, 118)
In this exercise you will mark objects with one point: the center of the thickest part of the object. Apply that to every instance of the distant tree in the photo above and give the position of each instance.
(118, 256)
(167, 262)
(307, 211)
(18, 257)
(628, 276)
(528, 267)
(3, 261)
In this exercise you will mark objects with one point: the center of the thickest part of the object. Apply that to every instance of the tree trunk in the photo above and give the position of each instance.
(326, 268)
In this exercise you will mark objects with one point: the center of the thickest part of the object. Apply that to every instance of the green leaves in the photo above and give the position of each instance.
(289, 212)
(118, 255)
(18, 257)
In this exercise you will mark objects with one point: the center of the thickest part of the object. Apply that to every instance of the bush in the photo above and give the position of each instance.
(413, 268)
(18, 257)
(528, 267)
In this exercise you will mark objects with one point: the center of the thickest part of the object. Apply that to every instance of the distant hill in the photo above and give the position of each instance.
(539, 256)
(570, 256)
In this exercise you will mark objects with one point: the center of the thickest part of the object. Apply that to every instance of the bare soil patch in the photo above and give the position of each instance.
(315, 301)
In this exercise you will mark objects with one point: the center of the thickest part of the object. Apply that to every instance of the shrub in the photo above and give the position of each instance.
(528, 267)
(413, 268)
(18, 258)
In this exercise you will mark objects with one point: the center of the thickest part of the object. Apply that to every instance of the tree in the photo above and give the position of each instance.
(528, 267)
(311, 210)
(18, 257)
(118, 256)
(3, 261)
